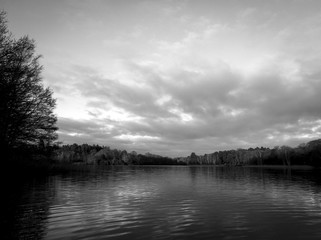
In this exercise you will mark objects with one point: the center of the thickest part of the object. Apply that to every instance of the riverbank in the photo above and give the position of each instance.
(44, 167)
(39, 166)
(294, 167)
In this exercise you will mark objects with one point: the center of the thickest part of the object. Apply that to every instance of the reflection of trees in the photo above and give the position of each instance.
(256, 175)
(25, 208)
(193, 171)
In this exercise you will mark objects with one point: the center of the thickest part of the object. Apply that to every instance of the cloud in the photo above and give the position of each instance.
(197, 111)
(181, 99)
(174, 77)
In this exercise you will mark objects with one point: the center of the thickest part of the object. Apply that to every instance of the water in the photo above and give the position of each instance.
(174, 202)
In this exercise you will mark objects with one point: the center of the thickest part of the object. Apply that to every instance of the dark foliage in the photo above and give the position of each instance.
(308, 154)
(155, 160)
(26, 106)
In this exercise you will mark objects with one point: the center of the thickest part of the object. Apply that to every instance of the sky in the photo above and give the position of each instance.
(173, 77)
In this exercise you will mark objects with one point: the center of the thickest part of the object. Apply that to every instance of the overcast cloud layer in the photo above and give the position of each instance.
(172, 77)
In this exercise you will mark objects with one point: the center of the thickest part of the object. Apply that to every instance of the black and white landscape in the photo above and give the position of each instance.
(175, 77)
(223, 94)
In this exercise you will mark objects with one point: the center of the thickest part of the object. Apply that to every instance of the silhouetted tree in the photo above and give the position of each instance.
(26, 106)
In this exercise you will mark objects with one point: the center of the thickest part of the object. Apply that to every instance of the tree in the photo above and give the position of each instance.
(285, 152)
(26, 106)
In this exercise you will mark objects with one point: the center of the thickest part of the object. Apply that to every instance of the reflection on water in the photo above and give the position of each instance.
(175, 202)
(25, 207)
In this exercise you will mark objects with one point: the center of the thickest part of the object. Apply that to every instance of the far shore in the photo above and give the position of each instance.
(303, 167)
(294, 167)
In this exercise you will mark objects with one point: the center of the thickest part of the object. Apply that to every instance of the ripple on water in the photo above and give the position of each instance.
(173, 203)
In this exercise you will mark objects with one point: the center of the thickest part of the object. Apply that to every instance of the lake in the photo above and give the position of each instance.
(165, 202)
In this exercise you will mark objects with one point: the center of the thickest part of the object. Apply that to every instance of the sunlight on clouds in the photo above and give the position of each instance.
(185, 117)
(164, 99)
(74, 134)
(136, 137)
(72, 107)
(317, 129)
(270, 137)
(230, 112)
(121, 115)
(305, 136)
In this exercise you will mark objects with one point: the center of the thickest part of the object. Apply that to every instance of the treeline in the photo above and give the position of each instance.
(101, 155)
(304, 154)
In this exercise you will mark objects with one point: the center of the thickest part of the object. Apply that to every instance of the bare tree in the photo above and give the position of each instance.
(26, 106)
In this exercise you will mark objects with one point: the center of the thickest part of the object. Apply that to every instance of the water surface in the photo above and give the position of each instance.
(166, 202)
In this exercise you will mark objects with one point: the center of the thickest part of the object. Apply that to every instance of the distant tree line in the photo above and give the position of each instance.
(102, 155)
(304, 154)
